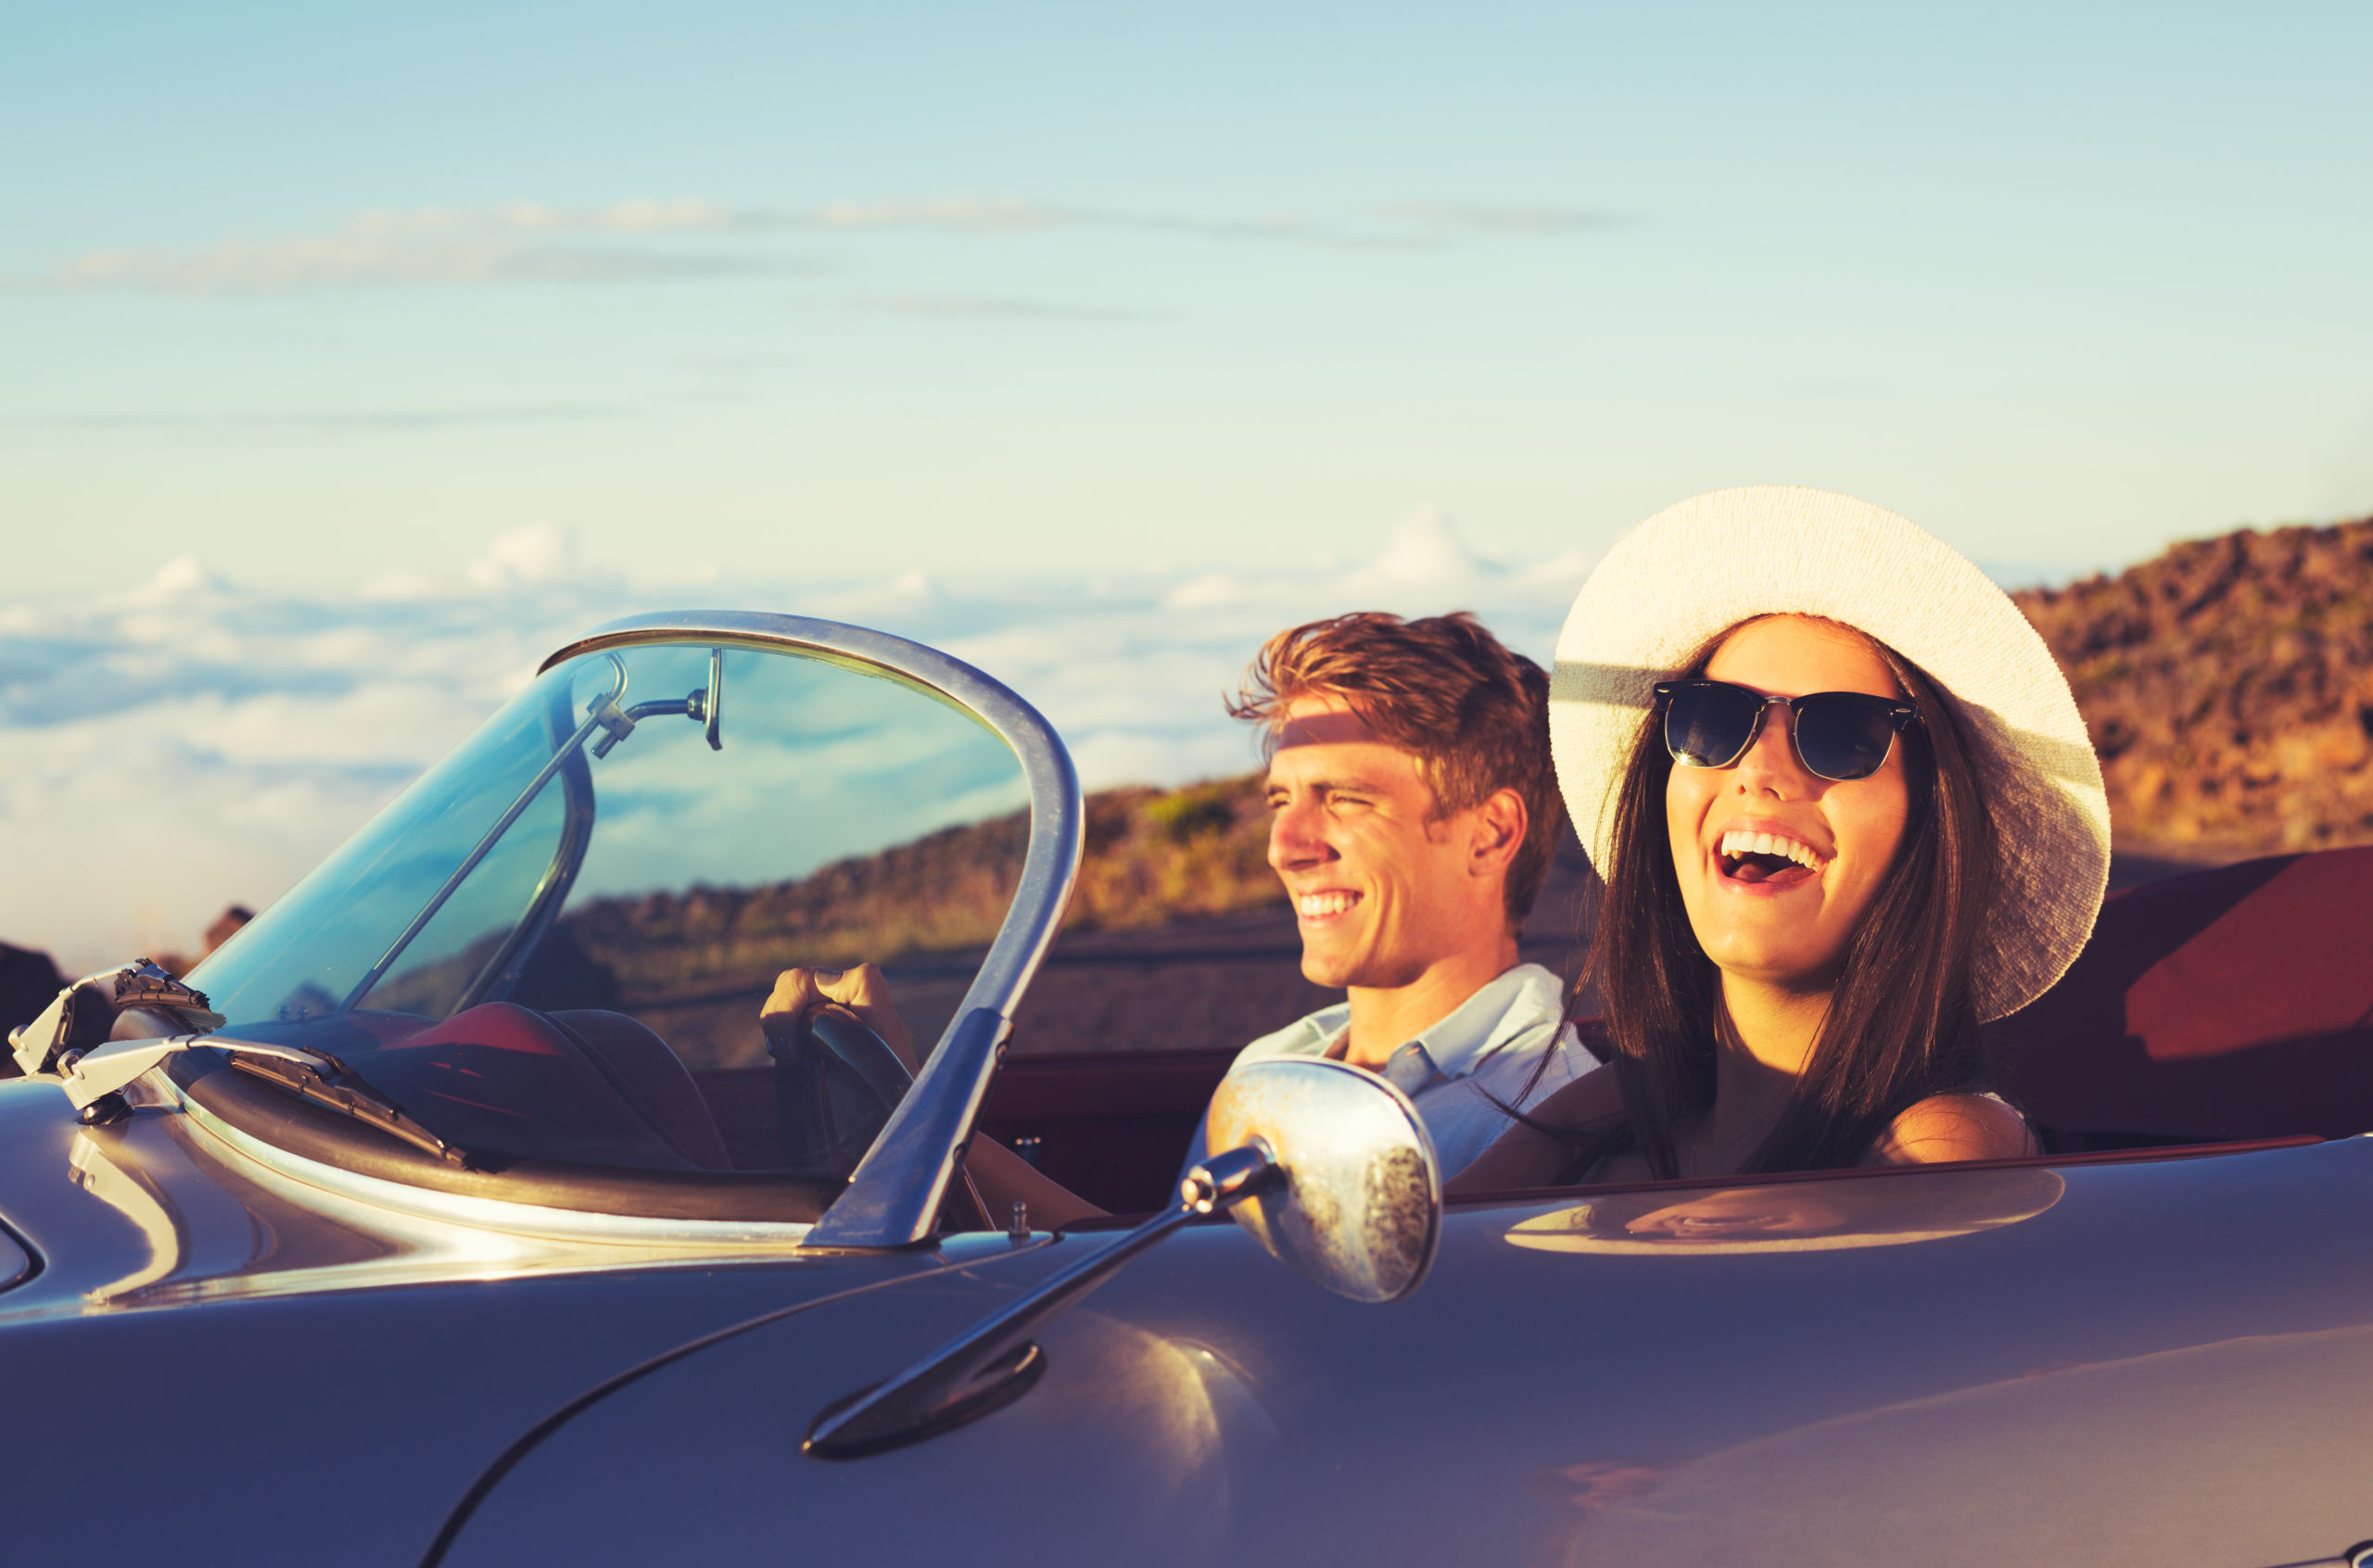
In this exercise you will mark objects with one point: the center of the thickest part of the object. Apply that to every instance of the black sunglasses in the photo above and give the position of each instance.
(1840, 736)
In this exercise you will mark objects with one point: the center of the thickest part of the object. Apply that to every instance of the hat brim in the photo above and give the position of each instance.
(1696, 569)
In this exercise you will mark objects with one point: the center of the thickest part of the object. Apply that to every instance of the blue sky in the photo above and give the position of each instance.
(351, 359)
(744, 295)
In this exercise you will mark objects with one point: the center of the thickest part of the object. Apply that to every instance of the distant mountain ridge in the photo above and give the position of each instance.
(2229, 688)
(1152, 857)
(2227, 685)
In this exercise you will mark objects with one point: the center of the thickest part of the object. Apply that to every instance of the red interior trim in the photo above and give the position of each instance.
(1111, 1084)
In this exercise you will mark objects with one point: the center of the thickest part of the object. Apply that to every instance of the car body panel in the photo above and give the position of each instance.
(310, 1378)
(2166, 1367)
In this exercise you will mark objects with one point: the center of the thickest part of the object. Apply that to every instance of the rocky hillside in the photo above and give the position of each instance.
(2228, 686)
(1152, 857)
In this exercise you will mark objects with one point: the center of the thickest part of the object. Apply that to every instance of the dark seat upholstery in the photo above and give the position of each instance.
(2225, 1004)
(653, 1078)
(592, 1087)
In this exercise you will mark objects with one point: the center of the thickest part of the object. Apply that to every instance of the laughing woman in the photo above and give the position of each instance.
(1845, 810)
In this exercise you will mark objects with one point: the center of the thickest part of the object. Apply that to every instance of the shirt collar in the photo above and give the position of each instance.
(1520, 999)
(1409, 1069)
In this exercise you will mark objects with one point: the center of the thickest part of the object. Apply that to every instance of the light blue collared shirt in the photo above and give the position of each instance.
(1490, 1047)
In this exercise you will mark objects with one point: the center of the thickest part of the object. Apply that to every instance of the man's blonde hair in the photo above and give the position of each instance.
(1476, 714)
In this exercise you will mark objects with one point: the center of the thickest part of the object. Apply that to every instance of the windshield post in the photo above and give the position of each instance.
(602, 707)
(893, 1196)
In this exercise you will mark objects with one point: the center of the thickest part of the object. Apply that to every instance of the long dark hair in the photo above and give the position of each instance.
(1901, 1023)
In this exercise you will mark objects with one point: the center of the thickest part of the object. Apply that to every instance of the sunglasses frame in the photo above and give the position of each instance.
(1900, 716)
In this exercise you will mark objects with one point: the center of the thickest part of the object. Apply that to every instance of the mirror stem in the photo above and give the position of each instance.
(994, 1361)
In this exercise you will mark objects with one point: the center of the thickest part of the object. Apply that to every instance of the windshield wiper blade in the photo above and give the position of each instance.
(94, 1079)
(340, 1090)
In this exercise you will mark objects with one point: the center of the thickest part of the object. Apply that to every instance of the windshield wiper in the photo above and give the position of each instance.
(340, 1090)
(94, 1074)
(93, 1081)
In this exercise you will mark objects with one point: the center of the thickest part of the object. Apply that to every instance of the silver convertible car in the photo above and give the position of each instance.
(460, 1211)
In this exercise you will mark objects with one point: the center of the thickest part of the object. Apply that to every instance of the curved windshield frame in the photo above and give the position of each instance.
(543, 817)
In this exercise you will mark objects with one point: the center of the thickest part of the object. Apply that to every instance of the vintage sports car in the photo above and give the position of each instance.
(459, 1213)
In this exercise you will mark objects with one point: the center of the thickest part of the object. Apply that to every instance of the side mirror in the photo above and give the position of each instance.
(1326, 1166)
(1360, 1209)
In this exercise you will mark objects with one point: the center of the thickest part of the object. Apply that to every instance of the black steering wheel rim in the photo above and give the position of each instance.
(866, 1054)
(836, 1084)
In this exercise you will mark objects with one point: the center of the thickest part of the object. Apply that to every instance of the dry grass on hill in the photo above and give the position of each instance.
(2227, 685)
(2229, 688)
(1152, 855)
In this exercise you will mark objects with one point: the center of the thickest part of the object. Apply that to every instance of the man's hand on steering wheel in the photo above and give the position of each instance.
(861, 990)
(1003, 1177)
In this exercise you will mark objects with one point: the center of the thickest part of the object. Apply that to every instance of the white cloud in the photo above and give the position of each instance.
(963, 214)
(1465, 218)
(310, 422)
(536, 557)
(187, 743)
(541, 552)
(1205, 591)
(177, 579)
(403, 585)
(651, 241)
(911, 593)
(621, 218)
(1425, 549)
(1113, 757)
(521, 243)
(1003, 308)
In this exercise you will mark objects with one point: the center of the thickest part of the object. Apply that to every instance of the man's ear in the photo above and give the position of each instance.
(1500, 825)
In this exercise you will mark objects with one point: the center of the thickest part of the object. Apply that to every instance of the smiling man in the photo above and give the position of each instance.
(1413, 815)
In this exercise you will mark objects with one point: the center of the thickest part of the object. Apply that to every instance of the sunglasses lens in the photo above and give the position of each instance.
(1708, 726)
(1843, 734)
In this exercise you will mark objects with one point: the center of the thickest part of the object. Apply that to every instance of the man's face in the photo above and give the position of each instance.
(1380, 891)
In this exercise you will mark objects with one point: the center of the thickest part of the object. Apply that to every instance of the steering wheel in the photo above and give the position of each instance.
(836, 1084)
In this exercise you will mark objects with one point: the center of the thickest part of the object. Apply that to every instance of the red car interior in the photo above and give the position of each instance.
(581, 1085)
(2228, 1006)
(2221, 1006)
(2225, 1005)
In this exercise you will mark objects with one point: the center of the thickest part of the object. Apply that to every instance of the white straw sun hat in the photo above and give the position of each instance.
(1696, 569)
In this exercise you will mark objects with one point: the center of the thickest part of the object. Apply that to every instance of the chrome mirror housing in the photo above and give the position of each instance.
(1359, 1210)
(1329, 1168)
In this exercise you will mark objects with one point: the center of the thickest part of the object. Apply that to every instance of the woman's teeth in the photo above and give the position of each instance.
(1311, 905)
(1739, 842)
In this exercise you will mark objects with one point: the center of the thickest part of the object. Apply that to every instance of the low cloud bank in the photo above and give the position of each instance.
(190, 743)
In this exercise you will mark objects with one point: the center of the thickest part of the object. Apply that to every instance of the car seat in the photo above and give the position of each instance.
(581, 1085)
(2226, 1005)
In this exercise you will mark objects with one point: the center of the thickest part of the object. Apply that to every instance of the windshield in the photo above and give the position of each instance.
(555, 945)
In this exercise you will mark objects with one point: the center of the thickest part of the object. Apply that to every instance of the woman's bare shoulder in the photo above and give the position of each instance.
(1951, 1127)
